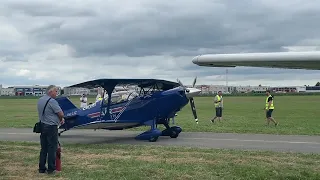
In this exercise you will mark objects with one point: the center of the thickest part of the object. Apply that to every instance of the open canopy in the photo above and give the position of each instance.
(109, 84)
(287, 60)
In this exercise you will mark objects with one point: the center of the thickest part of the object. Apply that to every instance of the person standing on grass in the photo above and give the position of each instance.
(218, 104)
(50, 115)
(83, 101)
(269, 107)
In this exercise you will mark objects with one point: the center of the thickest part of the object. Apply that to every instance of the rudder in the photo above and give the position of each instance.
(65, 103)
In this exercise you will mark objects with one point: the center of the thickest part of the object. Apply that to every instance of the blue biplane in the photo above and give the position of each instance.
(156, 102)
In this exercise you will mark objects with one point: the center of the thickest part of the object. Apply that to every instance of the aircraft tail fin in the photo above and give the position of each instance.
(65, 104)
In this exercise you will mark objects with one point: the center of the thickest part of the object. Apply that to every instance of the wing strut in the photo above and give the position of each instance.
(101, 106)
(109, 90)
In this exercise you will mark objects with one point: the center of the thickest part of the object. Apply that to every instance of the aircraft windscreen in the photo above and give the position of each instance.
(119, 97)
(127, 93)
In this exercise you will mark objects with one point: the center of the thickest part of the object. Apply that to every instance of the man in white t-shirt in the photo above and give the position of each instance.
(83, 101)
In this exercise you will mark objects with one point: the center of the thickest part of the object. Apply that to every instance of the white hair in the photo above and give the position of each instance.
(50, 88)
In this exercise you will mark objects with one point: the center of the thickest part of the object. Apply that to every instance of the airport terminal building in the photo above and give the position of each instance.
(299, 89)
(35, 90)
(38, 90)
(214, 89)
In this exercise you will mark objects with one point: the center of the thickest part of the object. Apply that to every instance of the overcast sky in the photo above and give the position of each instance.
(66, 42)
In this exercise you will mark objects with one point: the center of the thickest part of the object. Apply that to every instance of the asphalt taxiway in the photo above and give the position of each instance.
(285, 143)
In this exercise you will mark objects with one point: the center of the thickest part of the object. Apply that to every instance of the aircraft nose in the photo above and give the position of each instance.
(193, 92)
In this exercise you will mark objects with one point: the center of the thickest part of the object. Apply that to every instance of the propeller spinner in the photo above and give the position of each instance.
(190, 93)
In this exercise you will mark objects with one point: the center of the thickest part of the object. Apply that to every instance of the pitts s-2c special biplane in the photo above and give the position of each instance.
(157, 102)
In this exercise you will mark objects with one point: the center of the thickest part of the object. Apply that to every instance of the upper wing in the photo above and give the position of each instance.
(288, 60)
(109, 84)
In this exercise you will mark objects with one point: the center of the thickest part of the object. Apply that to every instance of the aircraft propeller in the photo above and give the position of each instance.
(190, 93)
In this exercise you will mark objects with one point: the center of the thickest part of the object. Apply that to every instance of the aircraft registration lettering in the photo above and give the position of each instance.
(71, 113)
(89, 106)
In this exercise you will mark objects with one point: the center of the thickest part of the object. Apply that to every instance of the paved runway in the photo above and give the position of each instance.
(307, 144)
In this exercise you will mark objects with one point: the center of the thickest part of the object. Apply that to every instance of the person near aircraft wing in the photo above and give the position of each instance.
(218, 104)
(269, 108)
(99, 97)
(51, 116)
(309, 60)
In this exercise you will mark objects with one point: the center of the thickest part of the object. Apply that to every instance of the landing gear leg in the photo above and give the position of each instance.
(152, 135)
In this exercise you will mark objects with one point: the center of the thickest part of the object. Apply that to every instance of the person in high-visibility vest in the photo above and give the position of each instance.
(98, 98)
(218, 104)
(269, 107)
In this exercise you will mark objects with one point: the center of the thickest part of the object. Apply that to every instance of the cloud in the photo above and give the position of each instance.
(68, 42)
(22, 72)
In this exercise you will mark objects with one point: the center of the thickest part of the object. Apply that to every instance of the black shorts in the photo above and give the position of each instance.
(219, 112)
(269, 113)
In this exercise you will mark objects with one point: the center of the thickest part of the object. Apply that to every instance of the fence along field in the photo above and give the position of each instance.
(242, 114)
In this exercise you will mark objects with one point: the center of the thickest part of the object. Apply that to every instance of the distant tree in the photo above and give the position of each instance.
(318, 84)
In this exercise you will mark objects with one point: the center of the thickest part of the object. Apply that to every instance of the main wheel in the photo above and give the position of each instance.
(174, 134)
(153, 138)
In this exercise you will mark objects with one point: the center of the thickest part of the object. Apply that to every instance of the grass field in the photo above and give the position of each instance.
(296, 115)
(19, 161)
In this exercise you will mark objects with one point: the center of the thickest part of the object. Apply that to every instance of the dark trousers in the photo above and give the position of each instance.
(269, 113)
(49, 145)
(219, 111)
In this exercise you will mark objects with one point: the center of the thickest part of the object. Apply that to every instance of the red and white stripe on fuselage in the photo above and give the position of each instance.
(94, 115)
(116, 110)
(112, 111)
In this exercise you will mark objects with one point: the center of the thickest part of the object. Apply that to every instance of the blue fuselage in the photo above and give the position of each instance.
(138, 111)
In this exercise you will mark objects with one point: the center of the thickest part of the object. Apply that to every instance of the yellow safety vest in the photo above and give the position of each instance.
(218, 99)
(267, 103)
